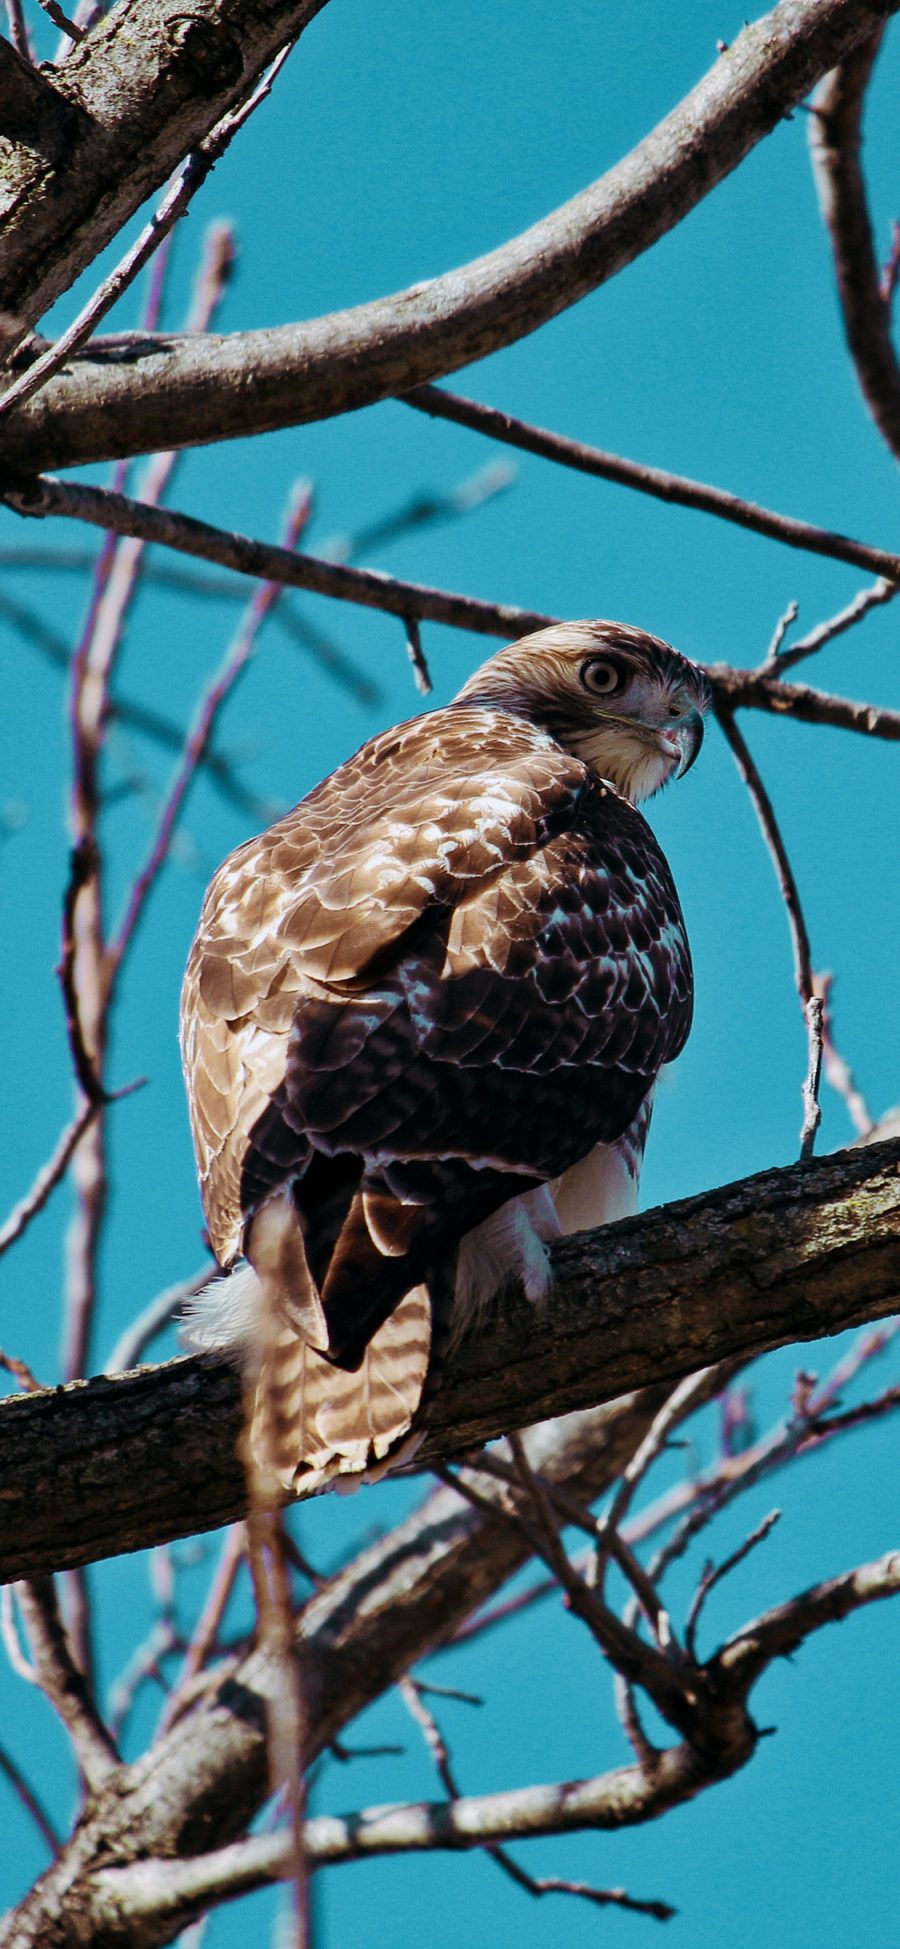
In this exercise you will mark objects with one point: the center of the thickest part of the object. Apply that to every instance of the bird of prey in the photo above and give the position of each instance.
(422, 1021)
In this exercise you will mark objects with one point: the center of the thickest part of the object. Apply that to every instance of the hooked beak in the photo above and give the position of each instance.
(689, 737)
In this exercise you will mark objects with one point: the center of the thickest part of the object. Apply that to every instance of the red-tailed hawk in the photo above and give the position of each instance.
(421, 1024)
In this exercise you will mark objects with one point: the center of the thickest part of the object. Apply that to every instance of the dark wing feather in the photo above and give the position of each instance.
(335, 889)
(467, 959)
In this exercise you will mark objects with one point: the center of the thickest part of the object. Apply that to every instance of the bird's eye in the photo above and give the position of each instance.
(602, 676)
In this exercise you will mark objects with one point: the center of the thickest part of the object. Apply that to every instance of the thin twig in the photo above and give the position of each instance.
(782, 626)
(206, 1630)
(12, 1642)
(142, 718)
(411, 1692)
(416, 654)
(422, 511)
(18, 32)
(571, 1511)
(689, 1393)
(812, 1114)
(66, 26)
(891, 270)
(786, 1442)
(232, 669)
(804, 981)
(835, 141)
(285, 1713)
(837, 1069)
(144, 1665)
(151, 1320)
(49, 1176)
(675, 489)
(696, 1502)
(852, 613)
(21, 1372)
(714, 1573)
(659, 1673)
(30, 1801)
(63, 1683)
(83, 872)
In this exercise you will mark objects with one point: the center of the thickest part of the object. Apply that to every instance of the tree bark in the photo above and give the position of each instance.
(142, 88)
(118, 1464)
(149, 91)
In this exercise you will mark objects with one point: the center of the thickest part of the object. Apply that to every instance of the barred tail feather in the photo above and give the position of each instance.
(349, 1423)
(311, 1423)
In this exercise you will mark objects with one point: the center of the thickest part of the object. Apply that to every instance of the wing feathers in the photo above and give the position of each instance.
(460, 958)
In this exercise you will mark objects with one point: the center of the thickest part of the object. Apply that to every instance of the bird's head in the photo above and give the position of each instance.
(624, 702)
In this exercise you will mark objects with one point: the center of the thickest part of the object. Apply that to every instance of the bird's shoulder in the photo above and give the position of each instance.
(419, 815)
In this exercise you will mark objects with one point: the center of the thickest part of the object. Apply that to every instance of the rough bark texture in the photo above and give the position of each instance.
(152, 103)
(118, 1464)
(130, 101)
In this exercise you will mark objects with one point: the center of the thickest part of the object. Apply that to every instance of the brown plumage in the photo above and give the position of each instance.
(435, 988)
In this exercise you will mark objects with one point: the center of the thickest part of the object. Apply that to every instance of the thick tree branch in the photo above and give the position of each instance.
(187, 391)
(141, 90)
(787, 1255)
(835, 140)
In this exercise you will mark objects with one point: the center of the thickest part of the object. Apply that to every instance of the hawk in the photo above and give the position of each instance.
(421, 1024)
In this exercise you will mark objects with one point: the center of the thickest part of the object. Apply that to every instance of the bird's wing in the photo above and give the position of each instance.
(448, 974)
(416, 820)
(512, 1032)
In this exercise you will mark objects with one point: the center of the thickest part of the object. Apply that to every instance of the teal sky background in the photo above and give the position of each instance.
(398, 143)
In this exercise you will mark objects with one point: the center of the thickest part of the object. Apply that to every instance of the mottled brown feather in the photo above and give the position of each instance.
(441, 979)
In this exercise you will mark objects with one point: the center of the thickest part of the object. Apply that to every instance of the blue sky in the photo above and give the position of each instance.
(393, 149)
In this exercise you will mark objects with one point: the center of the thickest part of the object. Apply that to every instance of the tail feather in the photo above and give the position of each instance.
(276, 1249)
(310, 1422)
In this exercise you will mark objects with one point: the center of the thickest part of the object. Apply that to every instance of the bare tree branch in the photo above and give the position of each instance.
(756, 691)
(49, 1176)
(835, 138)
(179, 195)
(404, 1595)
(25, 1792)
(183, 392)
(58, 1676)
(102, 508)
(804, 978)
(846, 618)
(143, 1902)
(677, 490)
(779, 1632)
